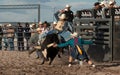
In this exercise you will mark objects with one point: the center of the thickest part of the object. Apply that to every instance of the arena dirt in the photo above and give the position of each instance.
(18, 63)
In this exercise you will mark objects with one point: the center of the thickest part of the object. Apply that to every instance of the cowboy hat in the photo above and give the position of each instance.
(9, 25)
(0, 24)
(38, 29)
(67, 6)
(62, 16)
(54, 22)
(111, 2)
(102, 3)
(40, 22)
(31, 25)
(66, 9)
(75, 34)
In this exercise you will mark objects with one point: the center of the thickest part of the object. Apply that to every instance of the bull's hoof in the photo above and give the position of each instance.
(59, 56)
(37, 57)
(49, 63)
(42, 61)
(46, 59)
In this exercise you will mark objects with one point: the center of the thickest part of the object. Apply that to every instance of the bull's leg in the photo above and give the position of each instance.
(43, 61)
(42, 58)
(51, 60)
(59, 55)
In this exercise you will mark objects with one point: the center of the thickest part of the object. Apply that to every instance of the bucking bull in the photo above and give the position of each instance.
(47, 49)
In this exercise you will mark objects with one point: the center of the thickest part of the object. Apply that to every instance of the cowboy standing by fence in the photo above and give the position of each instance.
(10, 35)
(27, 34)
(20, 37)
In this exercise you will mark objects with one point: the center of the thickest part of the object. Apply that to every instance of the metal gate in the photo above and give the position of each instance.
(103, 31)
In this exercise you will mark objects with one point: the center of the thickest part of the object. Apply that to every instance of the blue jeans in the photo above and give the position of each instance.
(5, 42)
(76, 55)
(11, 43)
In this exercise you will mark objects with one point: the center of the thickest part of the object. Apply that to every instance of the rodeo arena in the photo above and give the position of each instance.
(82, 43)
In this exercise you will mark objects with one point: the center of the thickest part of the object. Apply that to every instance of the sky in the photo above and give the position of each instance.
(47, 9)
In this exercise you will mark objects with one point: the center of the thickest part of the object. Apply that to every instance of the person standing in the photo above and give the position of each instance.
(1, 35)
(5, 28)
(45, 29)
(35, 40)
(10, 36)
(96, 9)
(20, 37)
(27, 34)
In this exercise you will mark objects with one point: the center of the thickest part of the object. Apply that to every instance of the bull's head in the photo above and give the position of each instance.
(49, 40)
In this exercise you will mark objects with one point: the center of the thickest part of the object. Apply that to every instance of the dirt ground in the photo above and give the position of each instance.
(18, 63)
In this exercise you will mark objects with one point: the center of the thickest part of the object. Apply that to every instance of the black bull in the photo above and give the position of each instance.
(51, 51)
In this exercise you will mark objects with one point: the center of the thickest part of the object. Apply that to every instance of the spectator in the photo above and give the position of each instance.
(5, 28)
(46, 29)
(10, 36)
(32, 29)
(53, 25)
(34, 41)
(52, 28)
(102, 4)
(106, 3)
(46, 25)
(112, 4)
(97, 8)
(20, 37)
(27, 34)
(39, 42)
(40, 24)
(1, 36)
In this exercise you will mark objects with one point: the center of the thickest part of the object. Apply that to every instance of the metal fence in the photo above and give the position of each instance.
(17, 9)
(22, 36)
(103, 31)
(21, 10)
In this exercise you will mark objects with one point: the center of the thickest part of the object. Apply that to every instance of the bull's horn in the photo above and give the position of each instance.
(49, 45)
(44, 53)
(37, 47)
